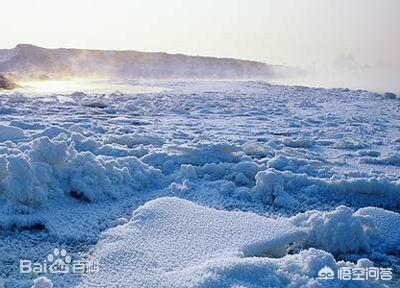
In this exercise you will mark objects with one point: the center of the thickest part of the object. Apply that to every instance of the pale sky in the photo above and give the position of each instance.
(292, 32)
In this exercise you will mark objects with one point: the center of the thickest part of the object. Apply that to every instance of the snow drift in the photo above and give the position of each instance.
(171, 242)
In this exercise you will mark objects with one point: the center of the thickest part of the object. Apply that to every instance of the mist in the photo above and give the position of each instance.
(377, 78)
(343, 43)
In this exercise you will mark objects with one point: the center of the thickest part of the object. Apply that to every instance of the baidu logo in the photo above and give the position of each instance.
(58, 262)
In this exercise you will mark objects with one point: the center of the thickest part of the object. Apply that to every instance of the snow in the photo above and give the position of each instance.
(42, 282)
(269, 187)
(170, 242)
(386, 227)
(25, 183)
(390, 159)
(47, 151)
(241, 183)
(290, 271)
(10, 133)
(48, 166)
(338, 231)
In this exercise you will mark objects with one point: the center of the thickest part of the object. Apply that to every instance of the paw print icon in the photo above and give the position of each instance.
(59, 261)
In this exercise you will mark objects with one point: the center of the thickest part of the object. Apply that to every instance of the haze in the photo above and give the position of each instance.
(360, 39)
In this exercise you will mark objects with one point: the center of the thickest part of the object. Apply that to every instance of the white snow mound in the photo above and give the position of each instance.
(169, 234)
(387, 228)
(42, 282)
(270, 189)
(170, 242)
(338, 231)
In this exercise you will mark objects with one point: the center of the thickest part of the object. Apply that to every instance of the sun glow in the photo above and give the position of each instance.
(83, 85)
(53, 86)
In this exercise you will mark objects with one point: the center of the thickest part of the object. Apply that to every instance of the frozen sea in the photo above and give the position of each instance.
(198, 184)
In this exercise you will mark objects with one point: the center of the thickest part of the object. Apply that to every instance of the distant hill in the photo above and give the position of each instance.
(27, 60)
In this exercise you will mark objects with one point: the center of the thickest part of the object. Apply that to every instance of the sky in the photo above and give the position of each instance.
(344, 34)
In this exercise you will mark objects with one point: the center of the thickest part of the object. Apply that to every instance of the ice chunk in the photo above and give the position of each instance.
(300, 142)
(26, 125)
(78, 94)
(10, 133)
(170, 242)
(96, 178)
(132, 140)
(269, 187)
(51, 132)
(349, 144)
(390, 159)
(188, 171)
(310, 167)
(53, 166)
(257, 150)
(96, 104)
(339, 231)
(379, 190)
(300, 270)
(42, 282)
(21, 183)
(47, 151)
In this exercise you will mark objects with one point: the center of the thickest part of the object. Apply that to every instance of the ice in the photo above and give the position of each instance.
(338, 231)
(48, 166)
(25, 183)
(378, 190)
(169, 234)
(254, 161)
(390, 159)
(51, 132)
(256, 150)
(50, 152)
(290, 271)
(269, 187)
(42, 282)
(10, 133)
(99, 179)
(287, 163)
(170, 242)
(387, 228)
(133, 140)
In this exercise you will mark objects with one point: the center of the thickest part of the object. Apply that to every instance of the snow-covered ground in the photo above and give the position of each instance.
(199, 184)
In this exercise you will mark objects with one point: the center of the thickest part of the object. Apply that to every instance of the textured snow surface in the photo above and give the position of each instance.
(42, 282)
(171, 242)
(339, 231)
(387, 226)
(316, 162)
(10, 133)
